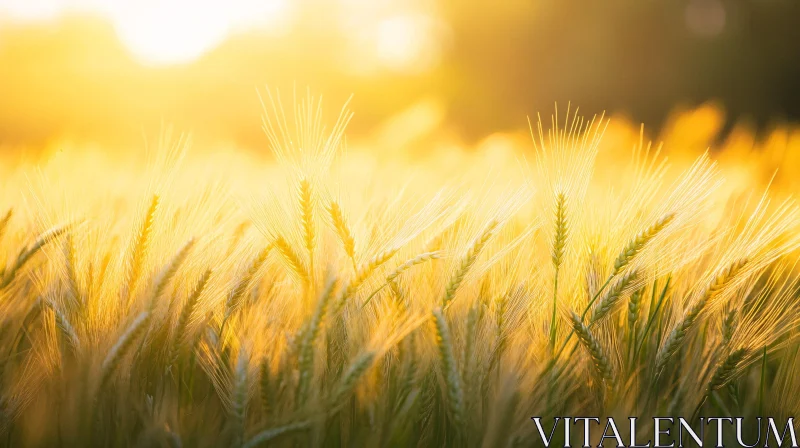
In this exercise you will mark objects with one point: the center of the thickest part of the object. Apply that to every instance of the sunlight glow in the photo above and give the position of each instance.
(177, 31)
(31, 9)
(378, 36)
(165, 31)
(402, 42)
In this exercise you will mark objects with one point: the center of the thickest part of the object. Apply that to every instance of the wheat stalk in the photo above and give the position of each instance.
(264, 386)
(473, 322)
(455, 394)
(309, 337)
(239, 398)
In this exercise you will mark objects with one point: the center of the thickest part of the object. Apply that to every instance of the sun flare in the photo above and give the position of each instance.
(165, 31)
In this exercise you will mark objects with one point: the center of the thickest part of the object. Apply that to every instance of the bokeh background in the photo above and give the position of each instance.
(107, 71)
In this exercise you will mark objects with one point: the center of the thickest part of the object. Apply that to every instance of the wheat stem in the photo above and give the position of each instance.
(455, 394)
(309, 337)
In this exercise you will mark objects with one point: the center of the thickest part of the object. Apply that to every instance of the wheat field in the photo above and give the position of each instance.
(319, 296)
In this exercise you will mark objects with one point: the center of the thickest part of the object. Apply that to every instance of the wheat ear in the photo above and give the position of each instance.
(65, 327)
(273, 433)
(562, 231)
(557, 255)
(638, 243)
(362, 274)
(234, 297)
(292, 258)
(238, 233)
(723, 375)
(5, 220)
(239, 397)
(466, 263)
(367, 269)
(729, 323)
(726, 370)
(168, 272)
(612, 296)
(455, 393)
(306, 196)
(186, 315)
(634, 308)
(600, 360)
(392, 277)
(350, 378)
(121, 348)
(679, 333)
(140, 246)
(419, 259)
(29, 251)
(343, 231)
(72, 273)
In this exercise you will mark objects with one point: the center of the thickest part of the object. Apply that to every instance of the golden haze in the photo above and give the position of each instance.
(367, 297)
(277, 282)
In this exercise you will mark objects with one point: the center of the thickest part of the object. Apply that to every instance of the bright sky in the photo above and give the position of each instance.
(164, 31)
(176, 31)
